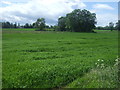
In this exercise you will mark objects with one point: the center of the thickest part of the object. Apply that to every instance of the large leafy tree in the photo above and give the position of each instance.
(40, 24)
(78, 21)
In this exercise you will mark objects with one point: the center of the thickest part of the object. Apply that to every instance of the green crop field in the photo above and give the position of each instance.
(39, 59)
(25, 29)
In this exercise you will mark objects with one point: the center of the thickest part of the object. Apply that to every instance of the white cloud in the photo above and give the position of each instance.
(104, 19)
(51, 10)
(102, 6)
(5, 2)
(30, 11)
(103, 16)
(100, 0)
(80, 4)
(92, 11)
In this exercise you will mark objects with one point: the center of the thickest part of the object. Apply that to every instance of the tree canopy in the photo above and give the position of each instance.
(78, 21)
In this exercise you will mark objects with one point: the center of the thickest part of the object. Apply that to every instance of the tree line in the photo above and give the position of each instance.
(76, 21)
(17, 25)
(111, 26)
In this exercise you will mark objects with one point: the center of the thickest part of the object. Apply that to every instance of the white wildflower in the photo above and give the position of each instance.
(98, 59)
(98, 65)
(95, 63)
(116, 60)
(102, 64)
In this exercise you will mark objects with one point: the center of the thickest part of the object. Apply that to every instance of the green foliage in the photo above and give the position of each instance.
(78, 21)
(53, 59)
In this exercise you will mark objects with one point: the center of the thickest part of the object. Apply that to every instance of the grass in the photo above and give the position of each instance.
(38, 59)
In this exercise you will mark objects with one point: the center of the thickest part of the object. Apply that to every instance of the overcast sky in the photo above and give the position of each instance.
(27, 11)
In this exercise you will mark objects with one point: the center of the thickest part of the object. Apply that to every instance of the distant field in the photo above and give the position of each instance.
(33, 29)
(24, 29)
(21, 29)
(39, 59)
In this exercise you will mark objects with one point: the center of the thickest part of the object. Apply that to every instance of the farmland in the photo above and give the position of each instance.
(52, 59)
